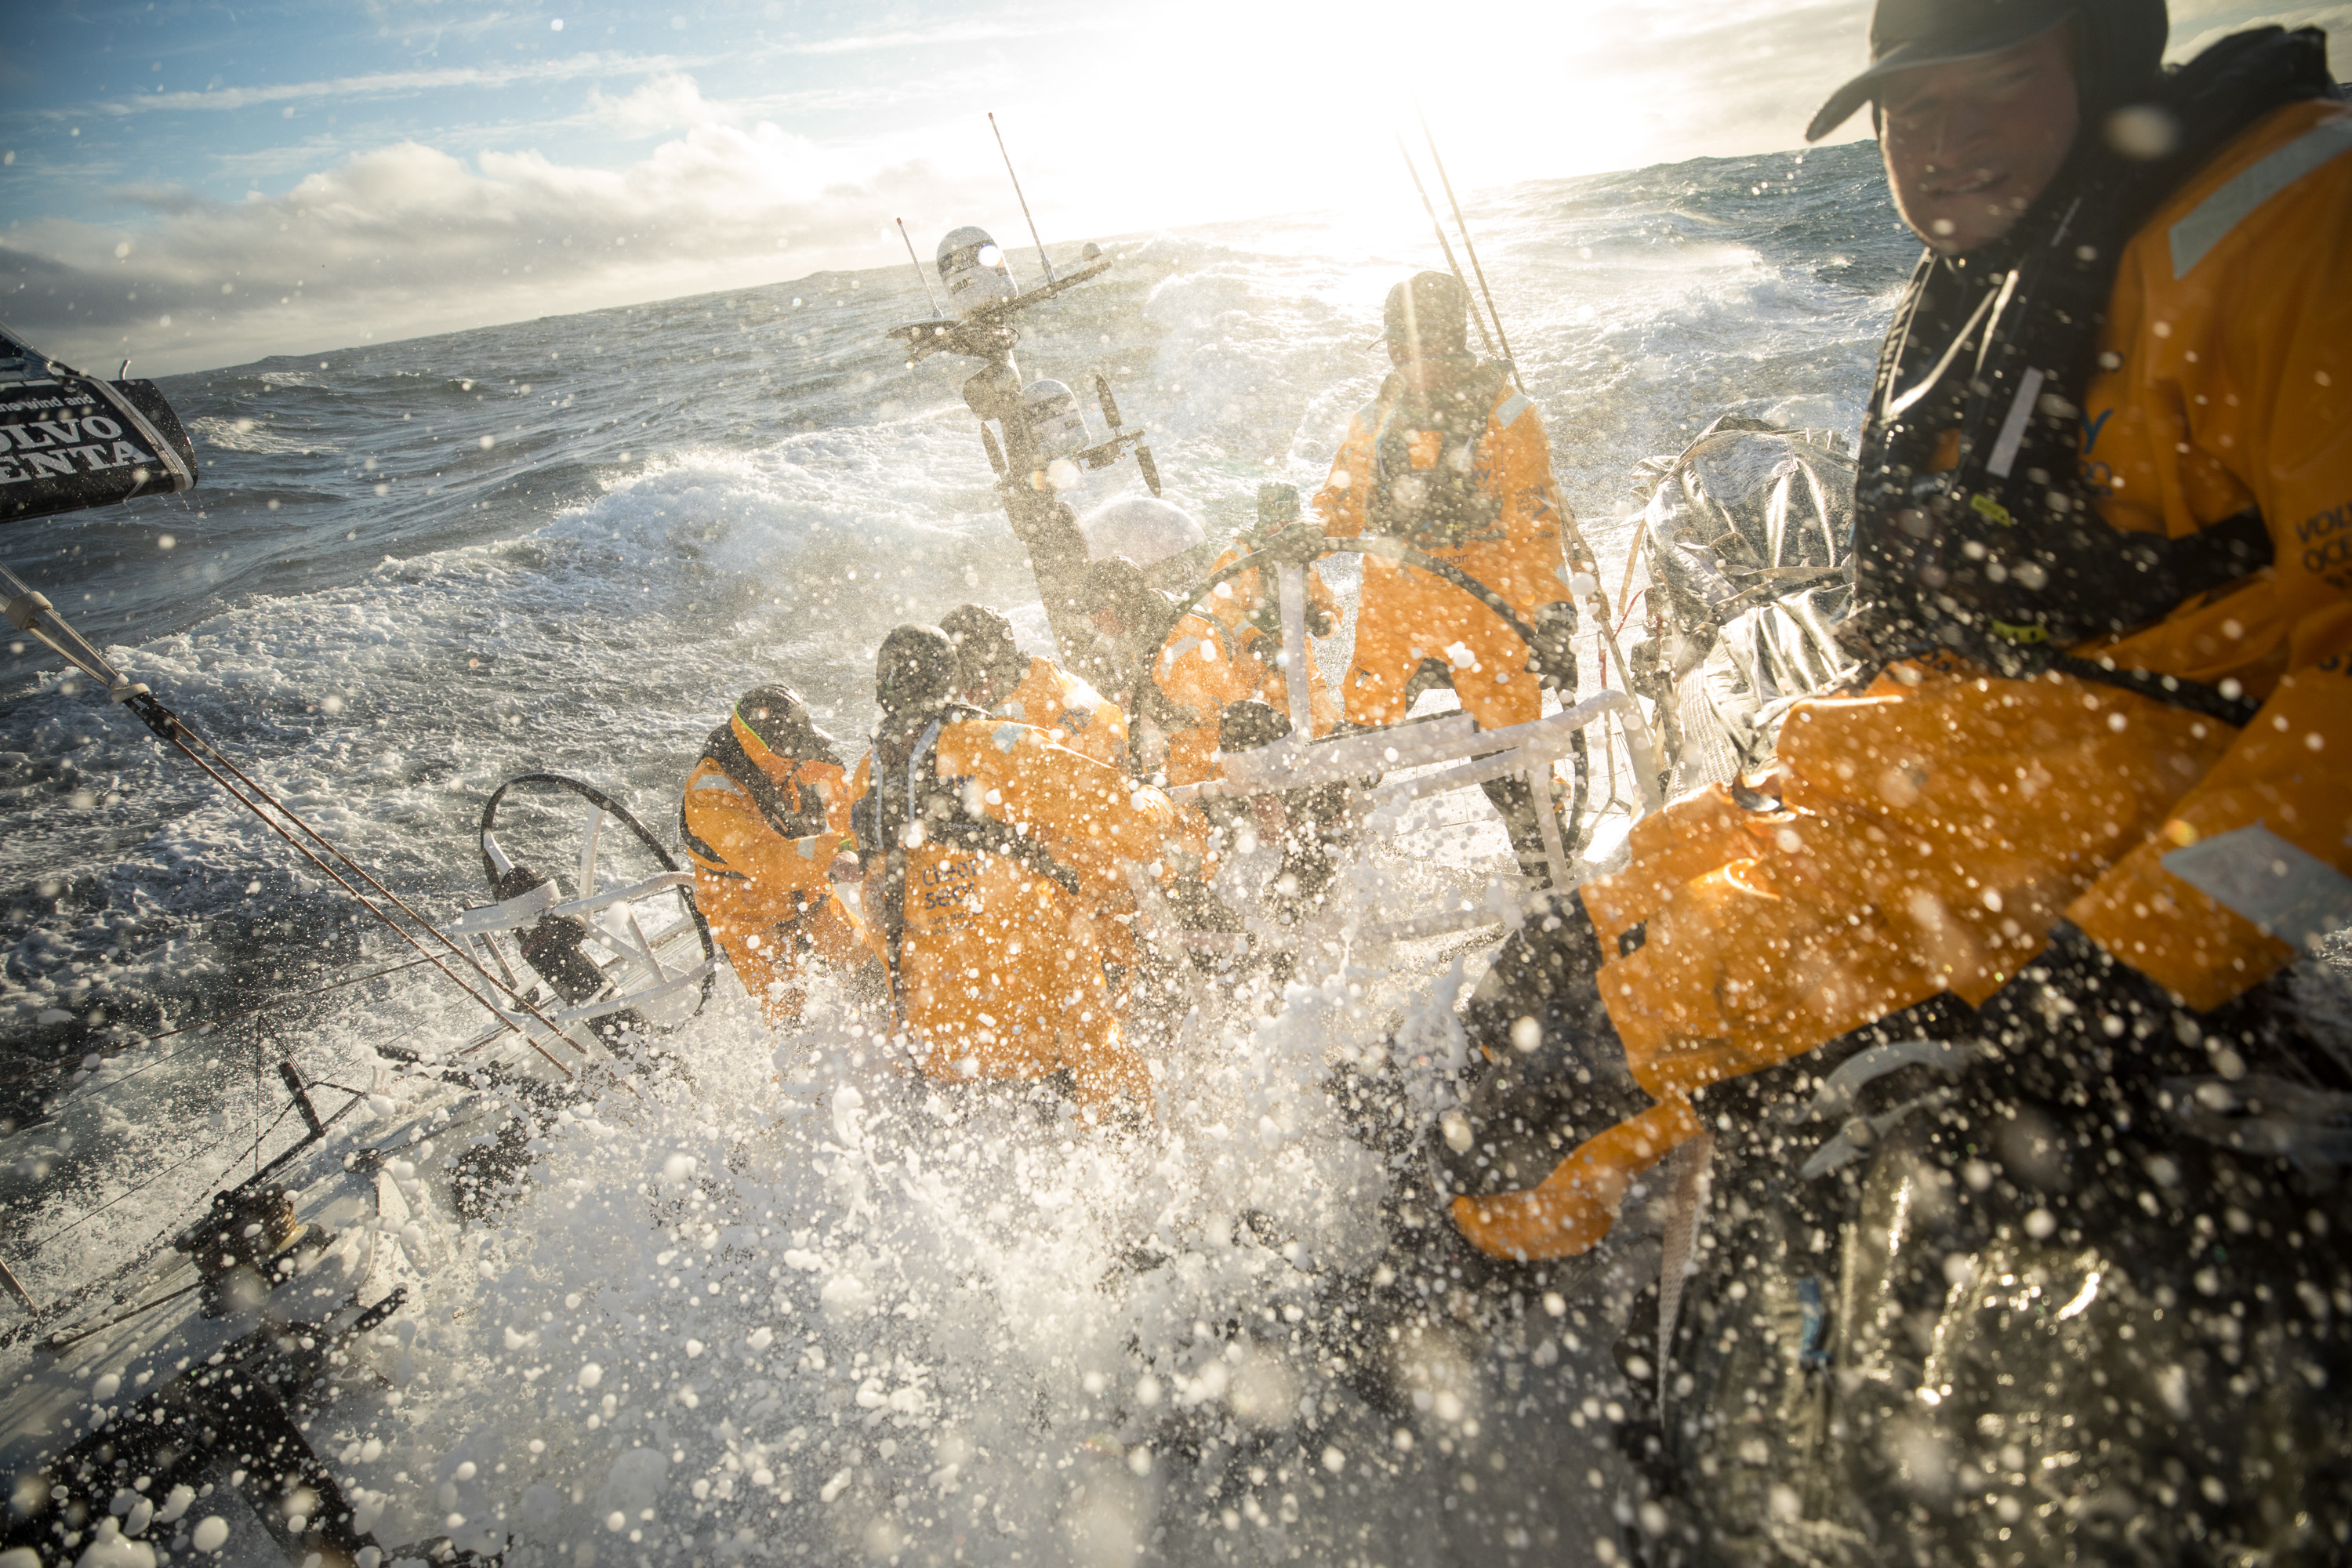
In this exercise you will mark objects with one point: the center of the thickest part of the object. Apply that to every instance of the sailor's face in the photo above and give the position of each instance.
(1971, 145)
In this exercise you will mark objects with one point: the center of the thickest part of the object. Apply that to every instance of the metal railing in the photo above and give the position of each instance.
(1463, 754)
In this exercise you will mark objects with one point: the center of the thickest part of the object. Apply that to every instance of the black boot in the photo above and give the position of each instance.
(1549, 1068)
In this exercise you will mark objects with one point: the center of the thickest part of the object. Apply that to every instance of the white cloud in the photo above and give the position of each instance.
(667, 102)
(966, 33)
(381, 84)
(407, 239)
(397, 84)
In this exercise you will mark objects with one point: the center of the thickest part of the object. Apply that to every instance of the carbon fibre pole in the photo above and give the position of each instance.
(921, 275)
(1042, 261)
(1468, 247)
(1447, 246)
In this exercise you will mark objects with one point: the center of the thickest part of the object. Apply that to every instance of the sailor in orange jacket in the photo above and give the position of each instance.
(764, 815)
(1248, 609)
(993, 677)
(1195, 671)
(996, 863)
(1934, 834)
(2063, 835)
(1451, 460)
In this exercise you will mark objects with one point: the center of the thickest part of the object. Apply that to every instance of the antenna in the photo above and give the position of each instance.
(1451, 266)
(921, 275)
(1470, 248)
(1022, 199)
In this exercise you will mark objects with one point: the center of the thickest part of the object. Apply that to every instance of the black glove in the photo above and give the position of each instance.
(1552, 655)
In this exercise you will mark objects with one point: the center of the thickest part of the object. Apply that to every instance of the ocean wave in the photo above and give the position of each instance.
(246, 435)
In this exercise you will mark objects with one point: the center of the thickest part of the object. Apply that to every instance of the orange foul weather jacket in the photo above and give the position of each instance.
(1936, 826)
(1508, 537)
(1248, 609)
(1071, 713)
(1016, 892)
(1208, 662)
(761, 845)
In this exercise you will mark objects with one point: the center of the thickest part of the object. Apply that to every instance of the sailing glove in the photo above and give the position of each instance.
(1552, 655)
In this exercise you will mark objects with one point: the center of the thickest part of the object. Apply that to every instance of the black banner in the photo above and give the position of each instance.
(69, 441)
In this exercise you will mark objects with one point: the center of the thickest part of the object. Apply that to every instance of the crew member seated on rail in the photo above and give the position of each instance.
(1967, 1002)
(1249, 608)
(995, 676)
(1451, 460)
(996, 864)
(764, 815)
(1197, 671)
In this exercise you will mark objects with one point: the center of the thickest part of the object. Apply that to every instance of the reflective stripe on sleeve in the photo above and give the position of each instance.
(2290, 893)
(2194, 236)
(1507, 413)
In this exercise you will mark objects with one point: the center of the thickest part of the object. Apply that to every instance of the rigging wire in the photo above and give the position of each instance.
(71, 1225)
(1469, 247)
(144, 1252)
(1447, 247)
(32, 612)
(146, 1040)
(1571, 533)
(171, 728)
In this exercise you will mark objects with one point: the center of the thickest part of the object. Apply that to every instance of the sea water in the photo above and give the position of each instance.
(774, 1300)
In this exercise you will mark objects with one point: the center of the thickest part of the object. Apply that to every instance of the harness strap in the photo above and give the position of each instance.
(791, 818)
(1458, 510)
(2194, 696)
(990, 836)
(886, 828)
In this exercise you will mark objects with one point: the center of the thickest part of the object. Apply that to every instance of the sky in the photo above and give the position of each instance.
(194, 184)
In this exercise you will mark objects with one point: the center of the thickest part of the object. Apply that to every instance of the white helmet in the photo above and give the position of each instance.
(972, 268)
(1144, 529)
(1054, 419)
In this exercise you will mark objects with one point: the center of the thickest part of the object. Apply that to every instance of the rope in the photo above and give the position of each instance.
(63, 1340)
(1641, 593)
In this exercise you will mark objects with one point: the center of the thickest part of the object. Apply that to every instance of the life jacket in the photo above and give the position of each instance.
(909, 806)
(1089, 722)
(1448, 502)
(1975, 526)
(794, 813)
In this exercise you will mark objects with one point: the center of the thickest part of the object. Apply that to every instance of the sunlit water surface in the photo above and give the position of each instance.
(775, 1300)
